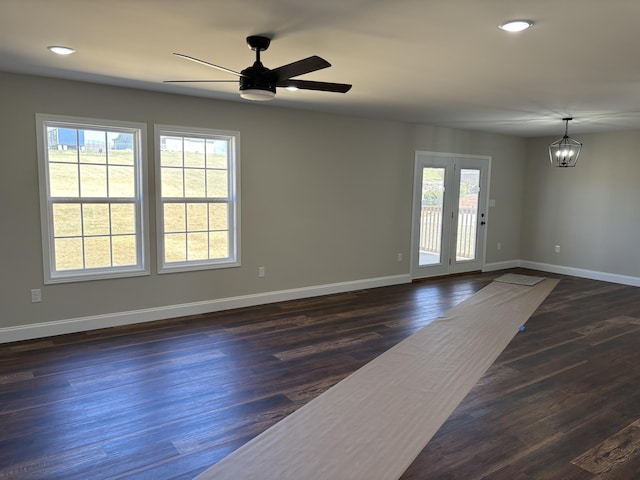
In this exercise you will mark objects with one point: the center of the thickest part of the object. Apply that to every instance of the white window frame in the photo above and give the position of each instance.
(232, 199)
(139, 131)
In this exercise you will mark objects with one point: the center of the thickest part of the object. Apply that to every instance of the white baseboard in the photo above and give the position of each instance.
(492, 267)
(60, 327)
(575, 272)
(73, 325)
(579, 272)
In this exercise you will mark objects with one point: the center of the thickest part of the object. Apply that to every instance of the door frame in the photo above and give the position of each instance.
(439, 158)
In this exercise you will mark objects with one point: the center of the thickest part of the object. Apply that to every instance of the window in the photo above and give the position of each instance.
(197, 175)
(91, 198)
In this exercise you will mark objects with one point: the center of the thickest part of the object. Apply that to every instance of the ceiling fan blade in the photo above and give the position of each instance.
(300, 67)
(207, 64)
(321, 86)
(200, 81)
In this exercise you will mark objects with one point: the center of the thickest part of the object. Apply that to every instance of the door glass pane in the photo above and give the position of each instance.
(467, 214)
(431, 215)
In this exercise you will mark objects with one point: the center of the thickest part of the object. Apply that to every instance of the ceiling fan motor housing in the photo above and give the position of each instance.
(258, 77)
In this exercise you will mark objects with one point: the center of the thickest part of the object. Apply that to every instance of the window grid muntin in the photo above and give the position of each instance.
(83, 235)
(79, 163)
(209, 230)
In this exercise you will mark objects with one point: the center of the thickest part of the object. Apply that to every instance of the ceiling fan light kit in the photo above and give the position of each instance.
(257, 95)
(564, 152)
(259, 83)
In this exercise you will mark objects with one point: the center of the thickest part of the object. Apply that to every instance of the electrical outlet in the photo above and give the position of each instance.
(400, 257)
(557, 248)
(260, 272)
(499, 246)
(36, 295)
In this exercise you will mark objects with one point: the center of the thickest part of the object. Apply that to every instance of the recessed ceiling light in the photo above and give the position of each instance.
(59, 50)
(516, 25)
(292, 88)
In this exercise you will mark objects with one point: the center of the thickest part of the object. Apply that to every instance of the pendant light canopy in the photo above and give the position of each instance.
(565, 152)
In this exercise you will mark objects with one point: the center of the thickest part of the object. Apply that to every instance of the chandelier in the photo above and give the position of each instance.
(565, 152)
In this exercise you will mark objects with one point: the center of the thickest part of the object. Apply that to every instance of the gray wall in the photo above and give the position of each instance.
(592, 211)
(325, 198)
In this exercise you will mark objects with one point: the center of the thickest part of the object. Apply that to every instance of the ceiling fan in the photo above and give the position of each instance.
(258, 82)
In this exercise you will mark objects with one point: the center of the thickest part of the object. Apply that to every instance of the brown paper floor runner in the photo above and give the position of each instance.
(375, 422)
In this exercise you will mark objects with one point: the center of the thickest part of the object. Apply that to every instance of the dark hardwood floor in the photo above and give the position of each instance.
(165, 400)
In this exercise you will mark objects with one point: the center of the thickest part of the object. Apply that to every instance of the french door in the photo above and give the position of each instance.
(449, 213)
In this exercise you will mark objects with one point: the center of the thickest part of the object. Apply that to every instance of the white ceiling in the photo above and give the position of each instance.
(441, 62)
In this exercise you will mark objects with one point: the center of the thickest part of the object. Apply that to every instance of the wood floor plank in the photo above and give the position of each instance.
(329, 345)
(16, 377)
(612, 452)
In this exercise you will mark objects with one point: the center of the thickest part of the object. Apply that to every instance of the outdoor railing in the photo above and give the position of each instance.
(431, 227)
